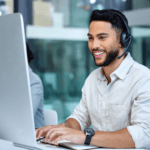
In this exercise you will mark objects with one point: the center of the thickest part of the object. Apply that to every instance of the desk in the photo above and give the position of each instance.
(7, 145)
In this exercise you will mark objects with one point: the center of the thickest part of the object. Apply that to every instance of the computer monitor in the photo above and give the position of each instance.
(16, 114)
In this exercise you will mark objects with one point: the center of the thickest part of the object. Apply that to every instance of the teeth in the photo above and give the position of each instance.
(99, 53)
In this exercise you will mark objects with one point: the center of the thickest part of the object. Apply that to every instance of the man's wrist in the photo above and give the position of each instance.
(65, 124)
(89, 132)
(84, 137)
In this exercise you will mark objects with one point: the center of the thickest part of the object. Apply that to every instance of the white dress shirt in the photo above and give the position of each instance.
(123, 103)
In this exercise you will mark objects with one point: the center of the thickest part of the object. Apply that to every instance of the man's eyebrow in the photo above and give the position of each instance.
(102, 34)
(98, 34)
(89, 34)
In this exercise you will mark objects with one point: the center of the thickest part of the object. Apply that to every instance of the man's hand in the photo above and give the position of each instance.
(64, 133)
(41, 132)
(70, 130)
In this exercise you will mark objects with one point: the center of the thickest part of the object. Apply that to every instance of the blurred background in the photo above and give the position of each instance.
(56, 31)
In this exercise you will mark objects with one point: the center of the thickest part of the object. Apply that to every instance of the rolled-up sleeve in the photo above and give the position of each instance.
(140, 116)
(81, 113)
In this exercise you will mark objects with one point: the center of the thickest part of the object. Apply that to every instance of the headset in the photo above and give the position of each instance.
(126, 37)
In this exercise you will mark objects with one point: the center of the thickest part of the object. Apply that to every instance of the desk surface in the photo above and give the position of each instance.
(7, 145)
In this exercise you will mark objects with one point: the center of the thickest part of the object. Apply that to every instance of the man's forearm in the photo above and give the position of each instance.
(72, 123)
(116, 139)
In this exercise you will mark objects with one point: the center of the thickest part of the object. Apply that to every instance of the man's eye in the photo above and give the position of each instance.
(90, 38)
(102, 37)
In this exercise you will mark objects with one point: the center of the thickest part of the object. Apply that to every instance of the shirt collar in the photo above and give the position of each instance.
(124, 67)
(121, 71)
(101, 75)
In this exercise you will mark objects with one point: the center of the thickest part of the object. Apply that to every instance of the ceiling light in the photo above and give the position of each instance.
(92, 1)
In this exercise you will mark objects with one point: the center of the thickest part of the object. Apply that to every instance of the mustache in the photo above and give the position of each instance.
(99, 50)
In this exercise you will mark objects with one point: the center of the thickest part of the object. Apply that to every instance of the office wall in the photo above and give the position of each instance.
(137, 4)
(64, 64)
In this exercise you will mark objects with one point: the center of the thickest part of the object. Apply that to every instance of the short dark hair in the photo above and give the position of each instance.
(110, 16)
(30, 55)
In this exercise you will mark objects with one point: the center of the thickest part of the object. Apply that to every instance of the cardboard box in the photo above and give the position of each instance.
(42, 13)
(10, 4)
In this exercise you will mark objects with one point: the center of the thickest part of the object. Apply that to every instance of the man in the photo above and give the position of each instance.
(115, 97)
(36, 94)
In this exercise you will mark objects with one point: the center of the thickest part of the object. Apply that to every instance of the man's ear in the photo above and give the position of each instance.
(119, 41)
(120, 45)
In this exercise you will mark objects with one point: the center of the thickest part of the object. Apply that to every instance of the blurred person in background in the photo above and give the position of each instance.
(36, 93)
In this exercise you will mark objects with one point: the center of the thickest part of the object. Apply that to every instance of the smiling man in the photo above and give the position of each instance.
(102, 32)
(115, 97)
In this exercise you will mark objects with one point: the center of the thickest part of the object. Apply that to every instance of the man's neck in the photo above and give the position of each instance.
(112, 67)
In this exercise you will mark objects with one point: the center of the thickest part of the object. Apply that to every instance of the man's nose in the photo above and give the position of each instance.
(96, 44)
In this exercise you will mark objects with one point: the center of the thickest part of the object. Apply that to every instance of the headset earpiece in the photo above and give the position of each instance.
(124, 39)
(130, 38)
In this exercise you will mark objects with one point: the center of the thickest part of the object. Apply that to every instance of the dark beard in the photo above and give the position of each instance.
(110, 57)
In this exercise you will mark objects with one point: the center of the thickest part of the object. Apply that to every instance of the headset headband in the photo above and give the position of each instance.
(124, 21)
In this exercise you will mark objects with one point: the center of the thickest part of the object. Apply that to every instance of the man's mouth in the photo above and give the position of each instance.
(98, 54)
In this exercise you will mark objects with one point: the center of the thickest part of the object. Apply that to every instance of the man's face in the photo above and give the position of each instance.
(103, 43)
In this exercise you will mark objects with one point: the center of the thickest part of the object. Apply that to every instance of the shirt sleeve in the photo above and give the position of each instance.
(36, 91)
(140, 116)
(81, 112)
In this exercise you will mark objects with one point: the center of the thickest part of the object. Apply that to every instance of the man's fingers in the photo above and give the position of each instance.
(54, 133)
(50, 134)
(52, 130)
(40, 133)
(61, 137)
(36, 131)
